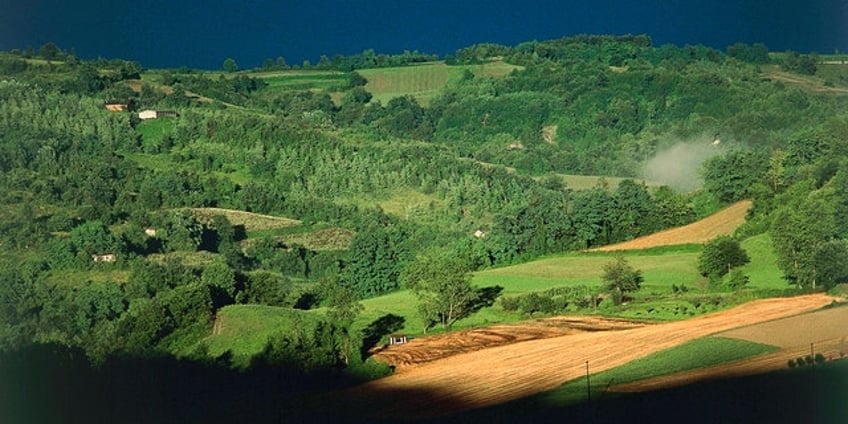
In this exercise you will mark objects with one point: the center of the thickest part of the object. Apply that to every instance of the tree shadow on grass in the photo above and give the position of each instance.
(383, 326)
(486, 297)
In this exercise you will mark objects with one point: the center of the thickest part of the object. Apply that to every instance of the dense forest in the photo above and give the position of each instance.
(104, 249)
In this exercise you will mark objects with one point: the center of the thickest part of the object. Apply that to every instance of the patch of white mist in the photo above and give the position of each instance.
(679, 165)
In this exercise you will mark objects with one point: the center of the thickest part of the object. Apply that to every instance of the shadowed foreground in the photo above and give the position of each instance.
(506, 373)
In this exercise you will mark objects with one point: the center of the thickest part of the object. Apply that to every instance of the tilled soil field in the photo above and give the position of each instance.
(472, 378)
(723, 222)
(431, 348)
(825, 330)
(799, 330)
(831, 349)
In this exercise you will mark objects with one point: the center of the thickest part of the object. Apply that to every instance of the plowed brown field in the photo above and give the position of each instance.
(723, 222)
(827, 330)
(479, 378)
(428, 349)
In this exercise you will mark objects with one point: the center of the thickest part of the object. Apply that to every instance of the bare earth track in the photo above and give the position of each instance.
(478, 378)
(723, 222)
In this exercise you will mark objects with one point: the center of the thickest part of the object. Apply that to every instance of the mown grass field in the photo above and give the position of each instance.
(305, 80)
(658, 269)
(424, 81)
(249, 220)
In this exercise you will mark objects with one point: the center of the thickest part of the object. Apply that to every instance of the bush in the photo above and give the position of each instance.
(510, 304)
(737, 279)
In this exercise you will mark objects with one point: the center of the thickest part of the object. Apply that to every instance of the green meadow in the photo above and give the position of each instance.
(661, 268)
(425, 81)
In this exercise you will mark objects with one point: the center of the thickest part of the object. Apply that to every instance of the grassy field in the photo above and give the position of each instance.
(424, 81)
(304, 80)
(403, 303)
(251, 221)
(659, 269)
(244, 329)
(404, 203)
(192, 259)
(762, 271)
(152, 130)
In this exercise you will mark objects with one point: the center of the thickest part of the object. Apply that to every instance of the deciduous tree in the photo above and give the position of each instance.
(229, 65)
(621, 278)
(443, 288)
(720, 255)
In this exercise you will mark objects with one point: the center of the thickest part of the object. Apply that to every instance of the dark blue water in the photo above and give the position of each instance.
(203, 33)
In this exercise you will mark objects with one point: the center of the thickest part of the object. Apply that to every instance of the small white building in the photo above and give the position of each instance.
(108, 257)
(396, 339)
(147, 114)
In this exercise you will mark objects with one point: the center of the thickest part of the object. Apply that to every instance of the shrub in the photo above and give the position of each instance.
(510, 304)
(738, 279)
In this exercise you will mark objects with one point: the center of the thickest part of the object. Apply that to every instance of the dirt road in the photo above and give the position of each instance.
(499, 374)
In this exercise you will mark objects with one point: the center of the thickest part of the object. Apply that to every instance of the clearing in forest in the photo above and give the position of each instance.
(251, 221)
(425, 81)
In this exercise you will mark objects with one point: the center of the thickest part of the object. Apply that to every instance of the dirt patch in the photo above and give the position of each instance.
(549, 133)
(511, 371)
(723, 222)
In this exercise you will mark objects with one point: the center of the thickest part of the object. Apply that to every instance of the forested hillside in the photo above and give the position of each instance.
(110, 245)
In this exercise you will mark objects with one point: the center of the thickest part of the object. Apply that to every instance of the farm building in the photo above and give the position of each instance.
(108, 257)
(396, 339)
(117, 106)
(154, 114)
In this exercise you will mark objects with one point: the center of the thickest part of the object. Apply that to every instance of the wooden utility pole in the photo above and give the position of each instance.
(588, 385)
